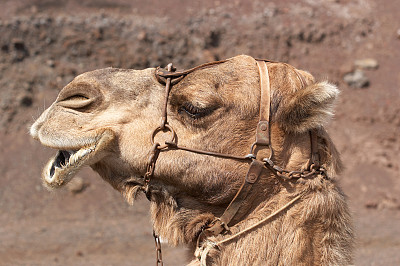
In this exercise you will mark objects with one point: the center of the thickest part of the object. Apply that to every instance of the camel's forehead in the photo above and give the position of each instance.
(237, 68)
(236, 79)
(129, 83)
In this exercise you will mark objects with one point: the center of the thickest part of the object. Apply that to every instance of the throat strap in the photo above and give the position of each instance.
(221, 224)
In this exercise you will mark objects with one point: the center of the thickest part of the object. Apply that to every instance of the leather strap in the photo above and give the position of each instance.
(262, 132)
(265, 90)
(165, 73)
(221, 224)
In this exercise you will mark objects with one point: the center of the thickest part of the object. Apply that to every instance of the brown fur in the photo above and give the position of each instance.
(189, 190)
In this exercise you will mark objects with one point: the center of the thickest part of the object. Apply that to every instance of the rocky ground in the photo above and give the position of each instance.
(45, 43)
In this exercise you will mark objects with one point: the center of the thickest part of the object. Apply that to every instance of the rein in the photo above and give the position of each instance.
(170, 77)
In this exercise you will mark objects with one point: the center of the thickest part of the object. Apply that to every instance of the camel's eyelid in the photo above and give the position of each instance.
(195, 112)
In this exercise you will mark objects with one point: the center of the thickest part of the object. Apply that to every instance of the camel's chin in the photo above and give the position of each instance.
(65, 164)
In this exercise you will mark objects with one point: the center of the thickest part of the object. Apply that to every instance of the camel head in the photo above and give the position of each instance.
(105, 118)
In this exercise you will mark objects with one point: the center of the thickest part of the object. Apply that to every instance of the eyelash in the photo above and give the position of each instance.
(194, 112)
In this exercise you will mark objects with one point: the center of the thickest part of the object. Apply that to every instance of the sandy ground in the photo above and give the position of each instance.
(45, 43)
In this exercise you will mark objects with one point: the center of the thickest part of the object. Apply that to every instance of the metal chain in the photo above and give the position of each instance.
(159, 261)
(312, 170)
(155, 151)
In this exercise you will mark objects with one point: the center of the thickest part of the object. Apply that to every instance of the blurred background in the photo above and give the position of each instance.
(44, 44)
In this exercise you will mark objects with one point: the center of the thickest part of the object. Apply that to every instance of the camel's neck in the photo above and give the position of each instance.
(289, 229)
(280, 230)
(242, 230)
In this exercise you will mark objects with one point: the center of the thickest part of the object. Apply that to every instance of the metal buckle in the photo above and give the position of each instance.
(252, 154)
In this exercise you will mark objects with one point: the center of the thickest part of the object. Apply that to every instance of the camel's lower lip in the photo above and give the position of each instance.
(64, 165)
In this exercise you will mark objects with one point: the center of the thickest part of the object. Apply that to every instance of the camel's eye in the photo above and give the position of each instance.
(194, 112)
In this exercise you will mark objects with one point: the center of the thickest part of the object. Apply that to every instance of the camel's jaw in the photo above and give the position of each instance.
(61, 168)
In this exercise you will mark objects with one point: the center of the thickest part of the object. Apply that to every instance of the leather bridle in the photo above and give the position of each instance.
(170, 77)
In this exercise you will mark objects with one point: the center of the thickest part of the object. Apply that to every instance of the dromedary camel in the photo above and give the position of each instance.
(229, 208)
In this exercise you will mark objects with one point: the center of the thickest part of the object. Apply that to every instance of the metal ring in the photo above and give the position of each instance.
(252, 148)
(167, 128)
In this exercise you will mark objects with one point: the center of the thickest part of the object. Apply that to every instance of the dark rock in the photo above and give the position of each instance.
(20, 52)
(26, 100)
(371, 205)
(4, 48)
(213, 39)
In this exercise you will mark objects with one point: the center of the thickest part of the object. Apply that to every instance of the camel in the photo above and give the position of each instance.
(109, 119)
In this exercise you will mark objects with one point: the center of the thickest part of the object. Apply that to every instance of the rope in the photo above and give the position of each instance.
(272, 215)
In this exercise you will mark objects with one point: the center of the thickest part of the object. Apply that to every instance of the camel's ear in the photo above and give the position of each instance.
(307, 108)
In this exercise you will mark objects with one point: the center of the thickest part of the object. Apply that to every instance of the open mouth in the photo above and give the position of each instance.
(66, 163)
(61, 168)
